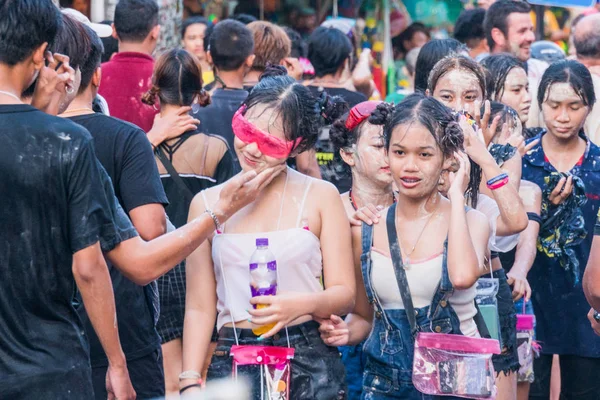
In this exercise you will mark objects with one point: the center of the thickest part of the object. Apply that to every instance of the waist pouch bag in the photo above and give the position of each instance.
(487, 302)
(444, 364)
(525, 346)
(272, 365)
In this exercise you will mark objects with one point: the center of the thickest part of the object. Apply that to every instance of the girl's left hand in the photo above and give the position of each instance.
(459, 180)
(280, 309)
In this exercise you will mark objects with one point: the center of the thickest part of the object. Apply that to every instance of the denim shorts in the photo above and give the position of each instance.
(508, 360)
(317, 369)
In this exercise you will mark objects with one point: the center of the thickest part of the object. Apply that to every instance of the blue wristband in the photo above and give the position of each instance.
(498, 178)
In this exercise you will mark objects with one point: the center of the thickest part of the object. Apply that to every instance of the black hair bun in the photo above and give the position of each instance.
(382, 114)
(332, 108)
(452, 138)
(273, 70)
(339, 134)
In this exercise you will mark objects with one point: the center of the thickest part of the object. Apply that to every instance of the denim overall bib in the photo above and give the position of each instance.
(389, 349)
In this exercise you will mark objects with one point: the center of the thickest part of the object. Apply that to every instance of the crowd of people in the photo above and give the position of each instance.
(135, 186)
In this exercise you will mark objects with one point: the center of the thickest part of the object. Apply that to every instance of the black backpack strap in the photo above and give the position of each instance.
(401, 278)
(176, 178)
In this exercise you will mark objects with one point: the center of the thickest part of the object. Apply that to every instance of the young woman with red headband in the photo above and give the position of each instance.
(306, 225)
(361, 146)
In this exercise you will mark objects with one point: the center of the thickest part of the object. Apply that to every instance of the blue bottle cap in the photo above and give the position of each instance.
(262, 242)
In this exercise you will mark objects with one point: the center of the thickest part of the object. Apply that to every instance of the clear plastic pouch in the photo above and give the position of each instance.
(268, 367)
(525, 347)
(487, 302)
(454, 365)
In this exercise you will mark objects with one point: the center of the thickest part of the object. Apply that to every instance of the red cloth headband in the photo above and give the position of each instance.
(360, 112)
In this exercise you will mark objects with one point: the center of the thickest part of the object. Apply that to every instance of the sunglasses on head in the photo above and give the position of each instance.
(268, 144)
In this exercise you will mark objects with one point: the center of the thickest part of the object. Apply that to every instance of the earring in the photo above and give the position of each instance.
(195, 108)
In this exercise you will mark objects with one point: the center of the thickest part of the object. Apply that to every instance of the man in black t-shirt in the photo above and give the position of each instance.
(53, 213)
(126, 154)
(330, 52)
(231, 51)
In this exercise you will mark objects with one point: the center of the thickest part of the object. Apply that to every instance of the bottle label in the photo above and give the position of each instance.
(264, 291)
(271, 266)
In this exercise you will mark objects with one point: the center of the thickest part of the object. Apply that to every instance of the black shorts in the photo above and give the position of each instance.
(508, 360)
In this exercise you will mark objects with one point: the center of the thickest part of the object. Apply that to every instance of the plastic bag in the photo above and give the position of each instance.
(268, 367)
(525, 348)
(454, 365)
(487, 301)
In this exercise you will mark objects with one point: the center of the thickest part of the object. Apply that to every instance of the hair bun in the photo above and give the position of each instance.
(149, 97)
(453, 137)
(382, 114)
(273, 70)
(331, 108)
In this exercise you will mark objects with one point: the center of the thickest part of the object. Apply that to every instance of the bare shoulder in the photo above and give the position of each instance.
(476, 218)
(320, 187)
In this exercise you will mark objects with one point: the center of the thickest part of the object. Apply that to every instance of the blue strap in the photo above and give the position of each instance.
(399, 271)
(366, 268)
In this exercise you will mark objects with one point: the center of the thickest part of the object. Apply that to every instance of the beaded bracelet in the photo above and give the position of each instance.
(215, 219)
(498, 178)
(498, 185)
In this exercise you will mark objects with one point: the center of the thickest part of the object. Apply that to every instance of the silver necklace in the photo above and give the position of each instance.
(11, 95)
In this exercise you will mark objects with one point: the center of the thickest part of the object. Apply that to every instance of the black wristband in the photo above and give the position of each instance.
(183, 389)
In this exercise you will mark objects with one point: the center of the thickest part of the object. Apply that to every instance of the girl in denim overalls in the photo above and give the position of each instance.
(442, 246)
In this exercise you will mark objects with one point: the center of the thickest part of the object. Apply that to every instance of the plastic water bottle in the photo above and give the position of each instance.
(263, 278)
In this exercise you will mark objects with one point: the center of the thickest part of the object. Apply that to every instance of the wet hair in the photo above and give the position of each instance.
(328, 50)
(469, 27)
(26, 25)
(230, 44)
(408, 34)
(497, 17)
(299, 49)
(271, 44)
(111, 45)
(243, 18)
(177, 80)
(453, 62)
(432, 52)
(92, 60)
(302, 114)
(507, 114)
(343, 138)
(587, 44)
(73, 41)
(498, 66)
(134, 19)
(192, 21)
(572, 72)
(438, 119)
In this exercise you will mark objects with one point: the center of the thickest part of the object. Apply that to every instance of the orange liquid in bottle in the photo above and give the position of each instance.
(262, 329)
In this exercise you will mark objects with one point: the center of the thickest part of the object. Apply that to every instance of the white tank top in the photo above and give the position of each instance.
(299, 264)
(423, 279)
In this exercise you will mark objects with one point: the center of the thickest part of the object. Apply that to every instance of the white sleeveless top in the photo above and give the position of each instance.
(299, 264)
(423, 279)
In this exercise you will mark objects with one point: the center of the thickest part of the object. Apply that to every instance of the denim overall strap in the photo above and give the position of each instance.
(444, 290)
(366, 268)
(399, 271)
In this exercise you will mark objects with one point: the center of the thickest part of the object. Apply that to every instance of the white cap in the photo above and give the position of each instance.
(100, 29)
